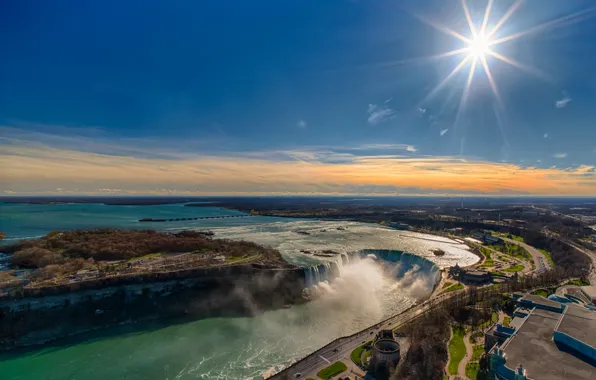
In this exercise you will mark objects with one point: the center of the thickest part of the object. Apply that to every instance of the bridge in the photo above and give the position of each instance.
(195, 218)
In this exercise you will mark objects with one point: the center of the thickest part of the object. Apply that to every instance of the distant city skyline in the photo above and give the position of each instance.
(340, 97)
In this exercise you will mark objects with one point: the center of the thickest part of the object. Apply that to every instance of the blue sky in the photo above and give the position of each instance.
(325, 83)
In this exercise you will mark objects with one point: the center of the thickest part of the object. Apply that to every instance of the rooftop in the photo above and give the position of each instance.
(476, 272)
(542, 301)
(533, 346)
(579, 323)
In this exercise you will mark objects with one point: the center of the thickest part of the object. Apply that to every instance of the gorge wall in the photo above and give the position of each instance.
(37, 316)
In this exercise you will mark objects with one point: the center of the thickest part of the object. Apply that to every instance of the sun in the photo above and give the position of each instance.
(479, 46)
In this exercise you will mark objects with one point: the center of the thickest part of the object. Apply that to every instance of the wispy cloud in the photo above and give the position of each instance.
(563, 101)
(545, 135)
(379, 113)
(443, 131)
(560, 155)
(422, 111)
(322, 172)
(375, 168)
(301, 124)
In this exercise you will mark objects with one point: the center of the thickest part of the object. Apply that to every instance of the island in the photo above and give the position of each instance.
(71, 282)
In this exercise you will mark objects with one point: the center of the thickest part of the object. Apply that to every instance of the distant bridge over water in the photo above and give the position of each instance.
(196, 218)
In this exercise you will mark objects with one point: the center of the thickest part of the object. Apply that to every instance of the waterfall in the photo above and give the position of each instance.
(404, 261)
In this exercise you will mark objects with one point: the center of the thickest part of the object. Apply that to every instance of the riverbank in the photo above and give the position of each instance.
(41, 315)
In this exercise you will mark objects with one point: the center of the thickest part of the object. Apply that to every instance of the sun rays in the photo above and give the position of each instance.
(481, 40)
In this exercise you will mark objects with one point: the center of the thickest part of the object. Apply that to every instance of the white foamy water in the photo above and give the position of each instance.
(345, 237)
(245, 348)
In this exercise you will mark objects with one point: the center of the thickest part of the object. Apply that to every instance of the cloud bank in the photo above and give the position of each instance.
(47, 170)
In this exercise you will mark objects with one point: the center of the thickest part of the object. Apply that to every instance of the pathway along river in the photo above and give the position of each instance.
(236, 348)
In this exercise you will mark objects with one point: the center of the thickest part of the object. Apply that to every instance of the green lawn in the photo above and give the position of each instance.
(334, 369)
(578, 283)
(472, 370)
(452, 288)
(494, 317)
(236, 260)
(446, 284)
(457, 349)
(512, 249)
(506, 321)
(515, 268)
(541, 292)
(477, 353)
(356, 355)
(366, 356)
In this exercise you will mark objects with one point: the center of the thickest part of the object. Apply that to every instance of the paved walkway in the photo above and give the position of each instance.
(461, 369)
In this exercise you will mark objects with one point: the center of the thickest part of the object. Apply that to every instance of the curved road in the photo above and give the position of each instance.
(341, 348)
(542, 263)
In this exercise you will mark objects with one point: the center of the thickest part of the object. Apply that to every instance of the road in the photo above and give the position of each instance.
(341, 348)
(542, 263)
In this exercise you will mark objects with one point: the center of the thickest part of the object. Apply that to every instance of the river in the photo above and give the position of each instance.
(232, 348)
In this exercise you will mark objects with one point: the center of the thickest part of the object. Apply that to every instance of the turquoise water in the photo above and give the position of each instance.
(230, 348)
(19, 221)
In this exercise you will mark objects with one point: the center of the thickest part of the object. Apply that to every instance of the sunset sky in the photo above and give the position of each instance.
(298, 97)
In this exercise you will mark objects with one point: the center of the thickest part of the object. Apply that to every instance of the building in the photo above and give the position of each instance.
(545, 340)
(385, 354)
(455, 231)
(473, 276)
(488, 239)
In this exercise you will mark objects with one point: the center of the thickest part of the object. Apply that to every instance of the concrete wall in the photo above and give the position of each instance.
(575, 344)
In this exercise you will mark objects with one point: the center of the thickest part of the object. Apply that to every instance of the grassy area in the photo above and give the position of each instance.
(578, 283)
(472, 370)
(446, 284)
(145, 257)
(236, 260)
(493, 318)
(506, 321)
(334, 369)
(512, 249)
(477, 353)
(452, 288)
(547, 255)
(541, 292)
(515, 268)
(366, 356)
(488, 261)
(498, 272)
(457, 349)
(356, 354)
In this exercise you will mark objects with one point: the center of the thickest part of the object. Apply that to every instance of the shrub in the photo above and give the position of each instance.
(35, 257)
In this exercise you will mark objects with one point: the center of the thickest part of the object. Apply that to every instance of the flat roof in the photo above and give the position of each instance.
(579, 323)
(477, 272)
(534, 348)
(542, 301)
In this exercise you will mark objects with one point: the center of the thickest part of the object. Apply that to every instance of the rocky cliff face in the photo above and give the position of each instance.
(41, 315)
